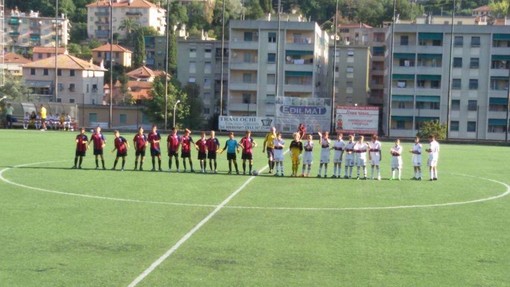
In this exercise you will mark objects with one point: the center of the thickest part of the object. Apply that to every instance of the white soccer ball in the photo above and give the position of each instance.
(255, 172)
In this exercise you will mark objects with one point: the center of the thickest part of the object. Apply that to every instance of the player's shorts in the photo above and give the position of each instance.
(121, 154)
(172, 153)
(98, 151)
(278, 155)
(308, 157)
(432, 162)
(349, 159)
(140, 152)
(80, 153)
(396, 162)
(270, 153)
(185, 154)
(362, 161)
(155, 152)
(416, 160)
(325, 155)
(375, 158)
(231, 156)
(247, 156)
(211, 155)
(201, 155)
(337, 157)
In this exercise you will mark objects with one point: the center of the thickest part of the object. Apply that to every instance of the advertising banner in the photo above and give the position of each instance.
(254, 124)
(314, 113)
(357, 120)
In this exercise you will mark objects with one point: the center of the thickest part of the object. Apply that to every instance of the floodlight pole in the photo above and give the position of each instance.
(175, 109)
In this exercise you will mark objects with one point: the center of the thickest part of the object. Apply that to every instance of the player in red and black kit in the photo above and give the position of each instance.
(201, 146)
(154, 138)
(121, 145)
(172, 144)
(99, 143)
(213, 144)
(186, 142)
(81, 148)
(140, 143)
(247, 144)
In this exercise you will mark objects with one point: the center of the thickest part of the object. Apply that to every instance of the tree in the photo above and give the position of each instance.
(195, 120)
(15, 89)
(253, 10)
(500, 8)
(130, 26)
(155, 108)
(139, 49)
(233, 10)
(434, 128)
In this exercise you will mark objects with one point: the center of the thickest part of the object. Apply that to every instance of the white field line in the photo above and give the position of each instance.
(190, 233)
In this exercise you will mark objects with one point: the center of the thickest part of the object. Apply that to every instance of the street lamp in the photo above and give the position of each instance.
(3, 98)
(175, 107)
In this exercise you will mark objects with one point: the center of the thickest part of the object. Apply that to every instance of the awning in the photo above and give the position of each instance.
(501, 37)
(498, 101)
(298, 74)
(501, 57)
(298, 53)
(378, 49)
(426, 119)
(402, 98)
(429, 77)
(496, 78)
(401, 119)
(428, 99)
(403, 76)
(430, 56)
(497, 122)
(38, 84)
(430, 36)
(406, 56)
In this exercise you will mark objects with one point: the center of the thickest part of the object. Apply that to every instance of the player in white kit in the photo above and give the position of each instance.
(324, 142)
(416, 151)
(349, 156)
(360, 157)
(338, 146)
(307, 156)
(279, 144)
(396, 160)
(433, 151)
(375, 156)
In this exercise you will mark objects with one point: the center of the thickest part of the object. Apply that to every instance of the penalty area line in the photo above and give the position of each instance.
(190, 233)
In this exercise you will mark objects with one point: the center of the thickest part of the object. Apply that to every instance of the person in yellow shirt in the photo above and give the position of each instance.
(296, 148)
(268, 147)
(42, 113)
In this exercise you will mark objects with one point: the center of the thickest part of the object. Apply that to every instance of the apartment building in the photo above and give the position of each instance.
(39, 53)
(24, 30)
(79, 81)
(143, 12)
(12, 63)
(199, 62)
(278, 68)
(121, 55)
(460, 79)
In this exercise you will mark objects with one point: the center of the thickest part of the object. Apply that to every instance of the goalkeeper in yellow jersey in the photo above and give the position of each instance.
(296, 148)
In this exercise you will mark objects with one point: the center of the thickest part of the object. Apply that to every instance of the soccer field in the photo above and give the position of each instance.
(65, 227)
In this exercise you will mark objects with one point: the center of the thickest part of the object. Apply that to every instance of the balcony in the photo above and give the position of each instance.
(243, 86)
(14, 21)
(14, 34)
(243, 66)
(102, 33)
(133, 13)
(102, 13)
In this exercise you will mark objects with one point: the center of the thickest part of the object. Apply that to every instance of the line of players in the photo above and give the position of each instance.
(357, 153)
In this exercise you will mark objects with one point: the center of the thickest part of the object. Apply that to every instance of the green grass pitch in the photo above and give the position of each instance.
(65, 227)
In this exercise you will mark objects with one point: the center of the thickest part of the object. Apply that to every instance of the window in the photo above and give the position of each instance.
(71, 101)
(248, 36)
(406, 63)
(471, 126)
(271, 79)
(192, 52)
(192, 80)
(454, 126)
(475, 41)
(349, 69)
(247, 78)
(271, 37)
(457, 62)
(71, 73)
(45, 72)
(32, 71)
(473, 84)
(404, 40)
(207, 67)
(60, 87)
(207, 83)
(207, 111)
(94, 88)
(208, 53)
(59, 72)
(270, 99)
(437, 42)
(123, 118)
(246, 98)
(456, 84)
(192, 67)
(401, 84)
(455, 105)
(350, 52)
(474, 63)
(271, 58)
(72, 87)
(472, 105)
(434, 84)
(458, 41)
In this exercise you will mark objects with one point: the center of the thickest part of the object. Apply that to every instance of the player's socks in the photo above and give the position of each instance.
(159, 164)
(183, 164)
(399, 174)
(251, 167)
(325, 170)
(102, 161)
(80, 161)
(372, 172)
(75, 161)
(244, 167)
(136, 164)
(123, 163)
(230, 166)
(97, 163)
(115, 164)
(153, 164)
